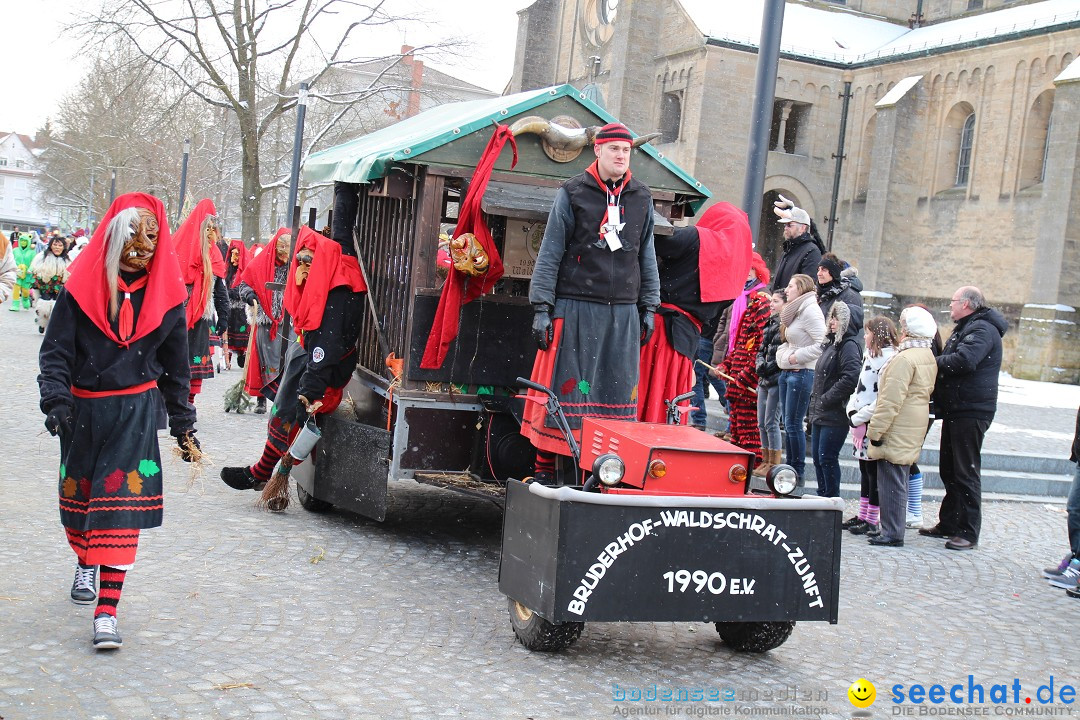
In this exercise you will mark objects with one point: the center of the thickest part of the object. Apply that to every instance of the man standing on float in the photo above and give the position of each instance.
(594, 290)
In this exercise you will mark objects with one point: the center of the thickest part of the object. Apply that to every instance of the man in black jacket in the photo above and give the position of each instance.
(801, 251)
(594, 289)
(965, 399)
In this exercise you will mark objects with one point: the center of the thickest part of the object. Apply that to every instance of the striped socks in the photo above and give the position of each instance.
(873, 514)
(914, 494)
(264, 468)
(864, 504)
(545, 462)
(112, 584)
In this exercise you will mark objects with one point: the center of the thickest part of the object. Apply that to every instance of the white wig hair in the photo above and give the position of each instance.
(206, 247)
(118, 233)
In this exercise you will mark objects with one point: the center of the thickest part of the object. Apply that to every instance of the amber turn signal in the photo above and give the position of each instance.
(737, 474)
(657, 469)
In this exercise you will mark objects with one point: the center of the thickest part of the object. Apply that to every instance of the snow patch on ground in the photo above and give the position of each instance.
(1065, 437)
(1032, 393)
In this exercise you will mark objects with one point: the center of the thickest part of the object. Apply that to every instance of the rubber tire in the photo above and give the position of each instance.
(310, 502)
(538, 634)
(754, 637)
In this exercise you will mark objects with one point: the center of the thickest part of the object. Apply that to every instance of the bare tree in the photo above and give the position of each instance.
(247, 57)
(121, 118)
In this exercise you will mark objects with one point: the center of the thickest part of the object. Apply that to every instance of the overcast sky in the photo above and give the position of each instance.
(42, 65)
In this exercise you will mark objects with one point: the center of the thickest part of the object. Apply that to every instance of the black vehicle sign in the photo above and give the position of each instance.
(572, 556)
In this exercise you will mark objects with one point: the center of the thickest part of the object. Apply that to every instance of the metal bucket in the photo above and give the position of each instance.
(305, 440)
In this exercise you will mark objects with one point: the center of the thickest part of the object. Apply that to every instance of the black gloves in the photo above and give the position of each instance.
(542, 330)
(648, 323)
(186, 441)
(59, 421)
(878, 443)
(301, 415)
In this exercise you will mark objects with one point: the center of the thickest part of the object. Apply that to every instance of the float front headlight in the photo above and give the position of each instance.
(609, 469)
(782, 479)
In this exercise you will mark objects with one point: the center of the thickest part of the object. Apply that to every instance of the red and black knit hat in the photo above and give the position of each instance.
(613, 132)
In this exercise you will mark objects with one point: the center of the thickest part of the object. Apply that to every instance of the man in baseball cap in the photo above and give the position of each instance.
(801, 253)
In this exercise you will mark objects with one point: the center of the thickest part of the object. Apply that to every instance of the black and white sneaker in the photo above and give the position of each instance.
(83, 590)
(106, 636)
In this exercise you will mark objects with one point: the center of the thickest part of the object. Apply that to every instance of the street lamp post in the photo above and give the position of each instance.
(183, 180)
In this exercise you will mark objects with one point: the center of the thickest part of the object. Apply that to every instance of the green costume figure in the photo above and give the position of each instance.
(24, 255)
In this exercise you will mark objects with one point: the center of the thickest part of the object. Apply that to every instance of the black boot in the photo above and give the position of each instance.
(238, 478)
(260, 406)
(241, 358)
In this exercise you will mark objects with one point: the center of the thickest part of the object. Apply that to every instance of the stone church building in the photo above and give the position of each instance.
(960, 148)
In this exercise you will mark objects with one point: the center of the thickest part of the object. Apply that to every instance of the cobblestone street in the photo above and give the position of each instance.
(233, 612)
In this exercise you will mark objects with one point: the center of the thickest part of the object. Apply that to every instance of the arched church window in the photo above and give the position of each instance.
(866, 156)
(1046, 149)
(1036, 142)
(963, 163)
(670, 117)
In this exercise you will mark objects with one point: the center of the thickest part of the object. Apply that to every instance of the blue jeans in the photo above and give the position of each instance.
(768, 413)
(701, 375)
(825, 444)
(795, 387)
(1073, 508)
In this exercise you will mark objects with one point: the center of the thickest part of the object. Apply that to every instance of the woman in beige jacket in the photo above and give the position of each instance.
(802, 328)
(898, 425)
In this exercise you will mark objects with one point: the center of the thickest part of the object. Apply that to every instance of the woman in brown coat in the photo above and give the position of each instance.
(898, 425)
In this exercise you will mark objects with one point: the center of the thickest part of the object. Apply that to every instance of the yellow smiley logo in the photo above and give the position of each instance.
(862, 693)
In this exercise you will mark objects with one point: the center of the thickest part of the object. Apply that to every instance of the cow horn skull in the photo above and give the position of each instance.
(562, 138)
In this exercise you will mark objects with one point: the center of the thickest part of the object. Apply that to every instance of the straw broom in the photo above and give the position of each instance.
(196, 465)
(275, 495)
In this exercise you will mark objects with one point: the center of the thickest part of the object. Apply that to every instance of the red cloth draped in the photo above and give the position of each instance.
(663, 375)
(261, 271)
(329, 269)
(164, 290)
(188, 241)
(459, 288)
(245, 258)
(725, 247)
(534, 415)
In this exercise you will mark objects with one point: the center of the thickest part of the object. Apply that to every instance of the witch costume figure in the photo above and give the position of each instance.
(203, 270)
(702, 269)
(264, 361)
(238, 330)
(324, 298)
(49, 272)
(113, 364)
